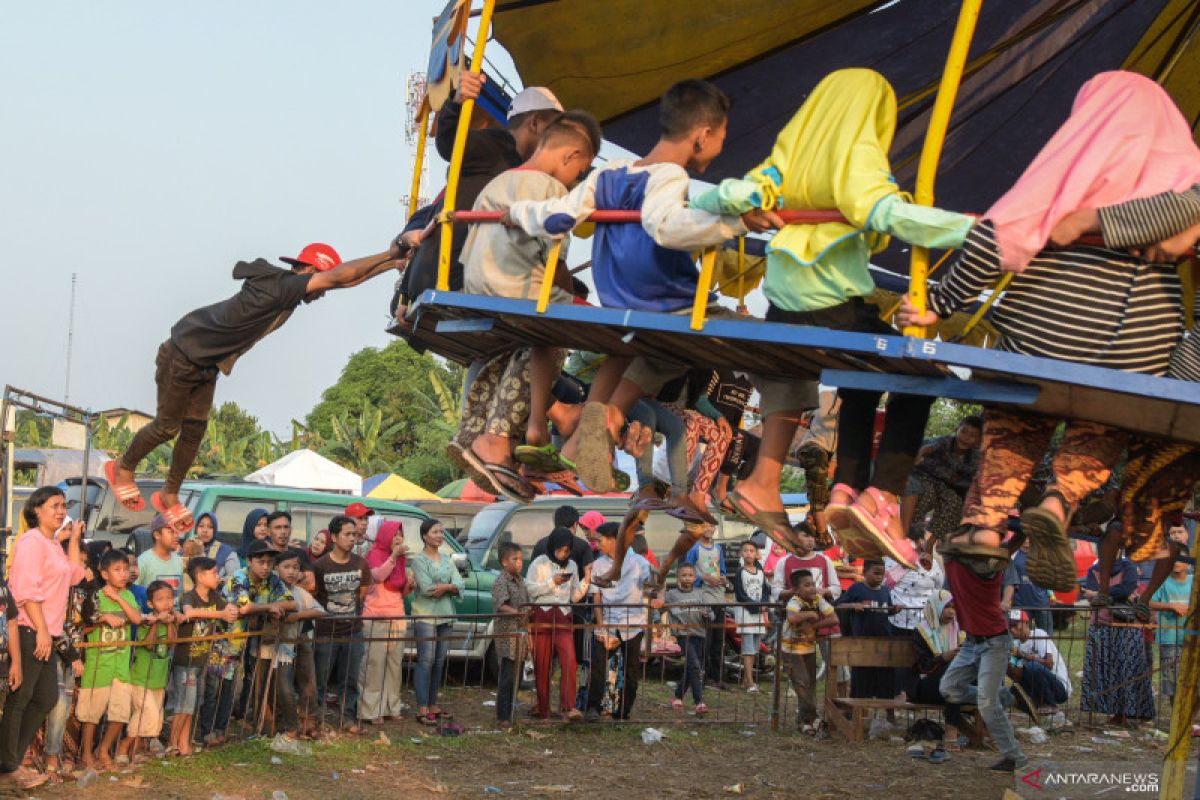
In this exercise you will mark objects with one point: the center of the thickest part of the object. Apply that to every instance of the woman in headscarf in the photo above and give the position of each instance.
(833, 154)
(1117, 667)
(553, 583)
(379, 695)
(254, 528)
(319, 545)
(936, 638)
(206, 534)
(1124, 139)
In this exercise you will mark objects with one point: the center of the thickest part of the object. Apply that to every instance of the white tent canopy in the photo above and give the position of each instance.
(304, 469)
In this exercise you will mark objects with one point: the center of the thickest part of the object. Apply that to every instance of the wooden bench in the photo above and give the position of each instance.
(850, 716)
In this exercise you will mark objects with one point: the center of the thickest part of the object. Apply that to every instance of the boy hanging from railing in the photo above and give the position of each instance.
(643, 266)
(511, 396)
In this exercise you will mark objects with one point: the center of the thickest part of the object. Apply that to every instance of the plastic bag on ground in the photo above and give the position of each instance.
(651, 736)
(286, 744)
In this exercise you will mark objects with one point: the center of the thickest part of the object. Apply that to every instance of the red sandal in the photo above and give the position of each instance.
(128, 494)
(178, 516)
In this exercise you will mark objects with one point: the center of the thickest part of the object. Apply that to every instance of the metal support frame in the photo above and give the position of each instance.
(14, 399)
(954, 388)
(935, 137)
(460, 146)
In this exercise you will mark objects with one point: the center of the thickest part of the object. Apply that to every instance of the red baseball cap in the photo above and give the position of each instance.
(318, 255)
(358, 510)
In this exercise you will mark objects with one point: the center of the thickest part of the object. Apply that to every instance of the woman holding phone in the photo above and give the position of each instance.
(553, 582)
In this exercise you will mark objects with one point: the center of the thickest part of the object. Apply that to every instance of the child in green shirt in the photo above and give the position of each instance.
(105, 690)
(150, 670)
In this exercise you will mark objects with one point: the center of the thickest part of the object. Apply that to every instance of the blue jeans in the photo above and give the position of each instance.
(662, 420)
(432, 644)
(976, 677)
(1042, 685)
(693, 673)
(56, 723)
(348, 657)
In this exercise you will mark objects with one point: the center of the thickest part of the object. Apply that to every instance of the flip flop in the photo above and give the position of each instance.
(726, 508)
(594, 463)
(509, 482)
(871, 531)
(652, 504)
(127, 494)
(544, 459)
(620, 481)
(1140, 610)
(774, 523)
(1051, 560)
(693, 511)
(484, 476)
(684, 514)
(565, 479)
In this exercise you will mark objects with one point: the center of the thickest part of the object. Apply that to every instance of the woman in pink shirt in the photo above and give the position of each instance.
(40, 581)
(379, 695)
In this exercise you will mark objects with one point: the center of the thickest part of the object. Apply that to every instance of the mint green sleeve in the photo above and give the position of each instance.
(923, 226)
(732, 197)
(423, 575)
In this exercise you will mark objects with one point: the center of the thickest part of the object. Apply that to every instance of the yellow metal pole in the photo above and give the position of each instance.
(986, 304)
(456, 157)
(708, 263)
(935, 137)
(1184, 707)
(548, 277)
(419, 164)
(741, 290)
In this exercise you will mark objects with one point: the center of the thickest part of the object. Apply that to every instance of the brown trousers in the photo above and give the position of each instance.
(1014, 444)
(185, 397)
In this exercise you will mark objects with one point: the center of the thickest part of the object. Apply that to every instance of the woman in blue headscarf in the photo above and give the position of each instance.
(255, 527)
(225, 556)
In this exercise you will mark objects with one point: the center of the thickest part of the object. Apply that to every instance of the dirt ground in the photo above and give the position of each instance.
(721, 758)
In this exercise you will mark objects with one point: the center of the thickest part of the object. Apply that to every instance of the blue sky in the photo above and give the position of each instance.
(148, 146)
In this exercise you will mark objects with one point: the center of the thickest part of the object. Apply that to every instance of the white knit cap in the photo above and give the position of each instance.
(534, 98)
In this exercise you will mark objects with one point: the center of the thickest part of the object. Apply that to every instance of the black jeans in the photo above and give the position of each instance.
(185, 398)
(217, 705)
(632, 649)
(27, 708)
(693, 672)
(904, 419)
(506, 690)
(714, 647)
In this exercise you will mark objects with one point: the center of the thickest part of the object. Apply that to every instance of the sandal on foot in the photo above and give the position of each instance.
(620, 481)
(544, 459)
(564, 479)
(871, 529)
(1140, 610)
(970, 549)
(773, 523)
(1100, 601)
(686, 509)
(1051, 559)
(510, 483)
(837, 515)
(127, 494)
(177, 515)
(494, 478)
(594, 462)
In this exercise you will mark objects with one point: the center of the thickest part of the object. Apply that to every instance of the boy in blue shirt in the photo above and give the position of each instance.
(1171, 602)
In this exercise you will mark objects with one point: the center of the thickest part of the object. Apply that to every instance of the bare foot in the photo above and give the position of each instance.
(566, 417)
(105, 764)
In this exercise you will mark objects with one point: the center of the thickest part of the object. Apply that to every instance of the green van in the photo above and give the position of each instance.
(312, 511)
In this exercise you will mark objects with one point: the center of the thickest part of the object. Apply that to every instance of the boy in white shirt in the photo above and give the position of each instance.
(510, 398)
(646, 266)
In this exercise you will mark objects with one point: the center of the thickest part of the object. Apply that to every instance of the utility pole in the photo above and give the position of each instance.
(70, 340)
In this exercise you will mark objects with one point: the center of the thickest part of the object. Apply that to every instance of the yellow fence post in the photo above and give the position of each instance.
(548, 277)
(708, 263)
(935, 137)
(456, 158)
(419, 164)
(1184, 708)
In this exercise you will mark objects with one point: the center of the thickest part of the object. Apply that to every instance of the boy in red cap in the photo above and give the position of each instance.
(209, 340)
(361, 516)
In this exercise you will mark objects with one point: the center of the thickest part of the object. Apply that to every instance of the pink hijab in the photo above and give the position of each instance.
(1125, 139)
(382, 549)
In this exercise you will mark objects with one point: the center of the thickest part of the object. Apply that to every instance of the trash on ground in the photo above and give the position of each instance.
(651, 736)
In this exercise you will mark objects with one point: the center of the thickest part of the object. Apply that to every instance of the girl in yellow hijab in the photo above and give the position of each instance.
(833, 155)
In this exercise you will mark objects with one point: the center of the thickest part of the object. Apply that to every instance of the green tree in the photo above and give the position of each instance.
(946, 415)
(417, 398)
(234, 421)
(357, 442)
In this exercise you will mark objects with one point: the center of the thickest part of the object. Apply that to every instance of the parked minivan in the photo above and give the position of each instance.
(507, 521)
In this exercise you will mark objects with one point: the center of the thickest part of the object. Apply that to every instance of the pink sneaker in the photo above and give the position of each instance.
(701, 709)
(676, 704)
(873, 529)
